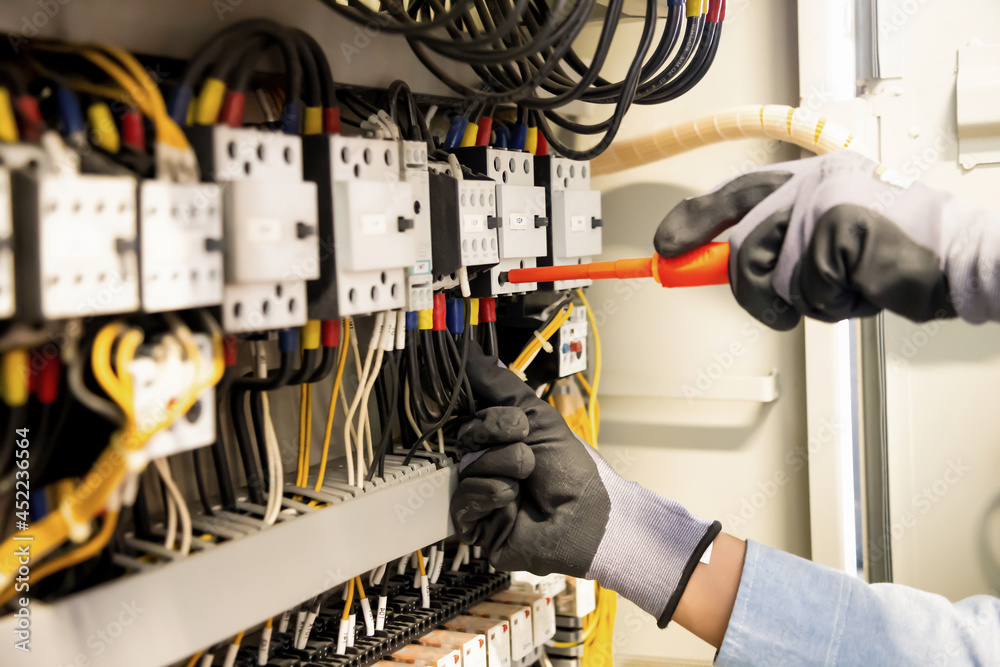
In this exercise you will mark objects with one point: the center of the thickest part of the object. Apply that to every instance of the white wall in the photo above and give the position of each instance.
(720, 458)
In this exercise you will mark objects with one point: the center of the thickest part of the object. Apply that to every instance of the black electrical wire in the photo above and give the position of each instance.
(327, 85)
(199, 474)
(490, 339)
(227, 493)
(464, 379)
(391, 399)
(700, 65)
(260, 434)
(455, 392)
(326, 365)
(412, 365)
(306, 369)
(430, 365)
(251, 467)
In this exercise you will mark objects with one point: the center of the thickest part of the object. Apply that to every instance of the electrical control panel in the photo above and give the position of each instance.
(6, 248)
(180, 245)
(270, 222)
(575, 231)
(464, 222)
(75, 241)
(419, 281)
(521, 215)
(160, 375)
(368, 231)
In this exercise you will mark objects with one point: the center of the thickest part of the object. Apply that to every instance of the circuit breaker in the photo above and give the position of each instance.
(464, 222)
(161, 376)
(180, 245)
(367, 232)
(575, 232)
(420, 290)
(75, 241)
(6, 248)
(521, 215)
(270, 219)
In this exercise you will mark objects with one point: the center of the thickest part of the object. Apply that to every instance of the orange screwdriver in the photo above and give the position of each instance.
(707, 265)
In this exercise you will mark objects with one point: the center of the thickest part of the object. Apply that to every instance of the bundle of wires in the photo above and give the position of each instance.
(101, 490)
(522, 52)
(222, 69)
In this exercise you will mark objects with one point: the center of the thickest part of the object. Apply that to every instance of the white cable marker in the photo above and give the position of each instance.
(351, 625)
(425, 593)
(401, 329)
(380, 617)
(307, 628)
(264, 650)
(207, 660)
(342, 638)
(460, 554)
(300, 621)
(378, 574)
(401, 565)
(283, 623)
(231, 655)
(366, 613)
(438, 567)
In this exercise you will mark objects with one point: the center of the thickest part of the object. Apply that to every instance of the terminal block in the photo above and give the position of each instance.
(420, 290)
(367, 228)
(6, 248)
(180, 245)
(270, 220)
(75, 242)
(574, 212)
(521, 213)
(161, 375)
(464, 225)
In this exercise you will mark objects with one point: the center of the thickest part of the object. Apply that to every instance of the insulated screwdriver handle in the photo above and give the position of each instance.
(707, 265)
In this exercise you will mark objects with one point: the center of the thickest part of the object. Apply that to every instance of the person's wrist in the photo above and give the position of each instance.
(650, 547)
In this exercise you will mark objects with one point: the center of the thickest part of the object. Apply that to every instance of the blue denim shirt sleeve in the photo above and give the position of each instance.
(790, 611)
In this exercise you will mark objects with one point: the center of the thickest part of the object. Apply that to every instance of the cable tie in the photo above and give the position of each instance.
(78, 531)
(546, 345)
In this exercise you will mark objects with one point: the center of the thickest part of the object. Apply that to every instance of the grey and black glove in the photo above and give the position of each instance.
(837, 236)
(537, 498)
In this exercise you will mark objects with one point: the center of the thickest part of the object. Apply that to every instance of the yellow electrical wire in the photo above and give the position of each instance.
(209, 102)
(535, 344)
(592, 406)
(103, 130)
(345, 340)
(194, 659)
(88, 550)
(420, 563)
(360, 587)
(350, 599)
(91, 495)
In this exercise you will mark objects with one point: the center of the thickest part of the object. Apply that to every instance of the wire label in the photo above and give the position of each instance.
(475, 223)
(517, 221)
(373, 225)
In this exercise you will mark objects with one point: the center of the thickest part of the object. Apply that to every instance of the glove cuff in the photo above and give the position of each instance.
(650, 548)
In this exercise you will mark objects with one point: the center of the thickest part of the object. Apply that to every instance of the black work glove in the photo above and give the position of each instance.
(537, 498)
(838, 236)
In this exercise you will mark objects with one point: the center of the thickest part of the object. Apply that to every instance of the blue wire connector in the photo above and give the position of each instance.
(456, 316)
(456, 132)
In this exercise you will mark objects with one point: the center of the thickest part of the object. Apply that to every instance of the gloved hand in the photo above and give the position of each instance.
(537, 498)
(836, 236)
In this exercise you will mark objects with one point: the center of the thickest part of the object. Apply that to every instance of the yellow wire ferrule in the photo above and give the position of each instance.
(14, 370)
(8, 122)
(311, 334)
(693, 8)
(102, 127)
(531, 142)
(474, 313)
(425, 319)
(471, 132)
(313, 121)
(210, 102)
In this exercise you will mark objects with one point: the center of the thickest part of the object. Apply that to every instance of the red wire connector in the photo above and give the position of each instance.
(133, 132)
(488, 310)
(330, 335)
(440, 313)
(716, 11)
(231, 113)
(485, 131)
(229, 344)
(32, 126)
(43, 379)
(543, 146)
(331, 120)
